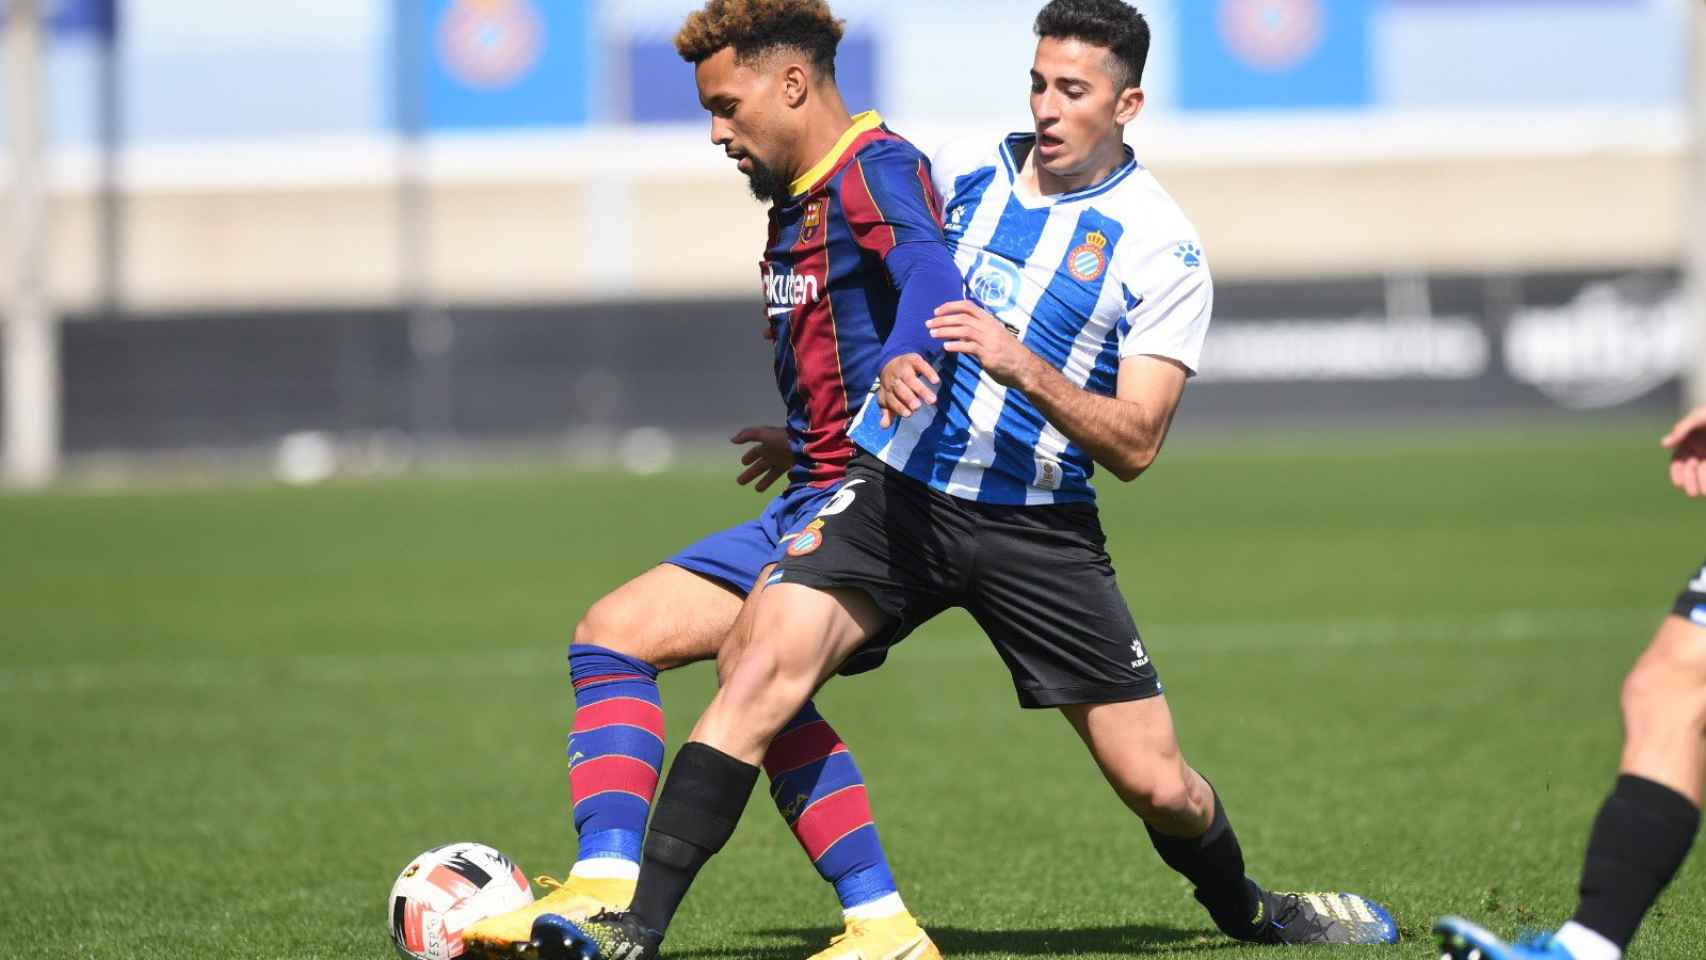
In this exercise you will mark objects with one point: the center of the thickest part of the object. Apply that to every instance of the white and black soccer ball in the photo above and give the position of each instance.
(446, 890)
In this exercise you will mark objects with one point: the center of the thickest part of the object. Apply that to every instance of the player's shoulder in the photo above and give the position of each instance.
(1141, 202)
(887, 164)
(887, 150)
(1155, 228)
(964, 154)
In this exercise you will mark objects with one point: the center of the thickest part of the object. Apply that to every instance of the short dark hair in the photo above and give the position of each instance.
(1105, 23)
(758, 27)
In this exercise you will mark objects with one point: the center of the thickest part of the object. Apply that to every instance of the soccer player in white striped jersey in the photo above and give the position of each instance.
(1089, 300)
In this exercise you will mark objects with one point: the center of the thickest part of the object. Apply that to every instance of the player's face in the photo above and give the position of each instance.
(747, 117)
(1078, 105)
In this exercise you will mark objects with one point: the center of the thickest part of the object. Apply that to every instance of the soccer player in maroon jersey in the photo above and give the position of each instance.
(853, 267)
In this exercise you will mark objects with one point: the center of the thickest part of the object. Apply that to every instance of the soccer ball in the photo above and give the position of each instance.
(448, 889)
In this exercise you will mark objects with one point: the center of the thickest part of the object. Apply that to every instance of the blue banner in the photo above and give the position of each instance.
(506, 63)
(1261, 54)
(98, 18)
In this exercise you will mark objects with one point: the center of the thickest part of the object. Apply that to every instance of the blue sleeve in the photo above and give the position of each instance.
(926, 276)
(888, 198)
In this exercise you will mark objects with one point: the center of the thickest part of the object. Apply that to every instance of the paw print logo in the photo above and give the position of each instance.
(1189, 254)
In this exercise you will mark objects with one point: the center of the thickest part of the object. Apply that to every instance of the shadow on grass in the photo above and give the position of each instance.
(958, 941)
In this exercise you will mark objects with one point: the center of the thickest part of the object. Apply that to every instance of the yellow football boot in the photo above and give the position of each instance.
(890, 938)
(507, 934)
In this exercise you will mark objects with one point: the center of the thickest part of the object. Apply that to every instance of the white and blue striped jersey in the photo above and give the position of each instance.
(1085, 279)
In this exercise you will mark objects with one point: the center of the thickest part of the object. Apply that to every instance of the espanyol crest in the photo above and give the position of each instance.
(1087, 260)
(491, 44)
(1272, 35)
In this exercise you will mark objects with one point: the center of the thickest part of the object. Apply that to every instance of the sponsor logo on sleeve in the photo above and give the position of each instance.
(1189, 254)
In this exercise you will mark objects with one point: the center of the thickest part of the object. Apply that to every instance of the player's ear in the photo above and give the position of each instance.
(795, 80)
(1128, 105)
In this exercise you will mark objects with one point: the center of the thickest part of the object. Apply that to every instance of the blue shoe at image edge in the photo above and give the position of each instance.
(1461, 940)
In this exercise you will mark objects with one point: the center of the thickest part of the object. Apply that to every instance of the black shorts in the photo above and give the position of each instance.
(1036, 579)
(1691, 604)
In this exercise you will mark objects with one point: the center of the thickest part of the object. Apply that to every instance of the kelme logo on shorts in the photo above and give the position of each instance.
(1141, 654)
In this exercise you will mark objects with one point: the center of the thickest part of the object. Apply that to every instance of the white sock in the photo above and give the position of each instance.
(1584, 944)
(606, 868)
(877, 909)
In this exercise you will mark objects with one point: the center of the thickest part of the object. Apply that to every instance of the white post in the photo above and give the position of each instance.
(1694, 225)
(31, 344)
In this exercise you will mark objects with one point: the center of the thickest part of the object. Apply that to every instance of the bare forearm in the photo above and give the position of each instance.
(1118, 434)
(1122, 433)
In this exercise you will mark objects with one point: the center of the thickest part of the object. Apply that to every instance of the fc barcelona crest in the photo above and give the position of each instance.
(1087, 260)
(811, 220)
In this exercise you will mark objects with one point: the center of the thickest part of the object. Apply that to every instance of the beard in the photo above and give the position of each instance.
(766, 184)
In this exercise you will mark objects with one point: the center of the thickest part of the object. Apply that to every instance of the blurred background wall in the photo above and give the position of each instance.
(446, 223)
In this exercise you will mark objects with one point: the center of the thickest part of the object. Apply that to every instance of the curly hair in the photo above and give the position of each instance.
(757, 27)
(1105, 23)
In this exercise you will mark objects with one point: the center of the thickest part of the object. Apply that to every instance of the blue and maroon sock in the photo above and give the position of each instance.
(615, 754)
(818, 790)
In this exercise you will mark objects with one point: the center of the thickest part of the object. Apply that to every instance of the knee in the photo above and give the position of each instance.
(1165, 797)
(611, 625)
(1668, 684)
(1170, 799)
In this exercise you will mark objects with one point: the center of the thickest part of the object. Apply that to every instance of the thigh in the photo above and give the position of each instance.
(1132, 741)
(740, 634)
(1044, 591)
(791, 639)
(885, 539)
(666, 616)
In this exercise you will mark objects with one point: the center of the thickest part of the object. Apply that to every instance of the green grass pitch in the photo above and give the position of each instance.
(232, 715)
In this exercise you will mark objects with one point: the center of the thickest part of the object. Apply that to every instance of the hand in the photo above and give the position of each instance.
(1687, 445)
(970, 329)
(900, 387)
(766, 461)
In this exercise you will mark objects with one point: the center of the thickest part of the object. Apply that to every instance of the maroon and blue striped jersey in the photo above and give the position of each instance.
(830, 299)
